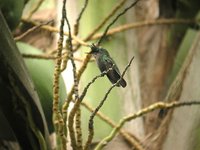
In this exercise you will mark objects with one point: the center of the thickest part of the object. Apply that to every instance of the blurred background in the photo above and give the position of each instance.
(163, 36)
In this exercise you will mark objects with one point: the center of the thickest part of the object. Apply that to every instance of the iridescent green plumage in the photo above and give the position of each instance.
(105, 62)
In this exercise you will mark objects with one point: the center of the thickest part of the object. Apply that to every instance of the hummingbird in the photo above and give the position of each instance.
(105, 62)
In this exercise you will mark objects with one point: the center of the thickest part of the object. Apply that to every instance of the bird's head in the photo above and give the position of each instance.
(95, 50)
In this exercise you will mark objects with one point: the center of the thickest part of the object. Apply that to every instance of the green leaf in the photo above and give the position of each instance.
(42, 72)
(19, 101)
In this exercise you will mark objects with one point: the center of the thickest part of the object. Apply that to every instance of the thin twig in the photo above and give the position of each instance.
(69, 97)
(47, 57)
(64, 62)
(93, 80)
(57, 117)
(142, 112)
(53, 29)
(112, 13)
(31, 30)
(37, 6)
(71, 123)
(71, 57)
(87, 86)
(76, 30)
(79, 130)
(135, 25)
(117, 17)
(120, 28)
(76, 82)
(77, 106)
(80, 72)
(76, 26)
(133, 140)
(91, 126)
(37, 56)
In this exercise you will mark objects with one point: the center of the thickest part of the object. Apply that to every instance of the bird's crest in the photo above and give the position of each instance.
(98, 50)
(94, 49)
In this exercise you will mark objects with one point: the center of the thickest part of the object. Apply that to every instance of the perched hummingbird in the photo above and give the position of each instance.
(105, 62)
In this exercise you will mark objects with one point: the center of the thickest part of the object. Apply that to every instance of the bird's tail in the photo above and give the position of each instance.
(122, 82)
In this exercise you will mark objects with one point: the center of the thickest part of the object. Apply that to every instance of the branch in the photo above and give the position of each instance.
(47, 57)
(79, 130)
(31, 30)
(80, 72)
(77, 107)
(117, 17)
(142, 112)
(141, 24)
(57, 117)
(37, 56)
(53, 29)
(76, 82)
(76, 26)
(37, 6)
(131, 139)
(118, 29)
(112, 13)
(69, 97)
(91, 126)
(93, 80)
(71, 57)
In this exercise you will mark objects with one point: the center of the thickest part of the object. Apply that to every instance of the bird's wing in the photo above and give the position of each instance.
(111, 64)
(113, 74)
